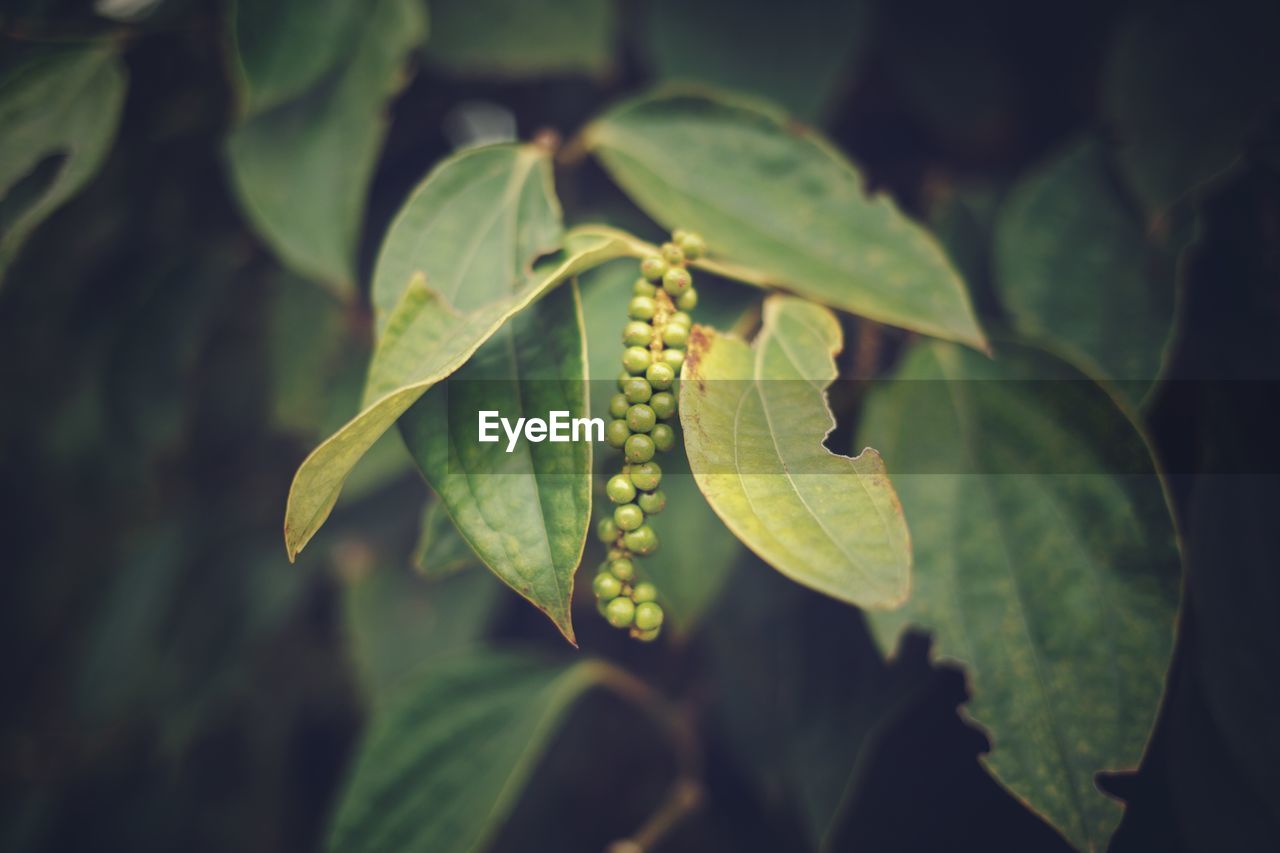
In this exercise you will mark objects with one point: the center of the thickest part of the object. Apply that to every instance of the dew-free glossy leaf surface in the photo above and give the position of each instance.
(534, 37)
(525, 512)
(781, 207)
(754, 420)
(302, 169)
(799, 58)
(445, 759)
(1075, 269)
(59, 110)
(1183, 86)
(1052, 579)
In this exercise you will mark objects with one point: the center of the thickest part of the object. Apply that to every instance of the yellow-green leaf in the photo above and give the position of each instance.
(780, 206)
(754, 421)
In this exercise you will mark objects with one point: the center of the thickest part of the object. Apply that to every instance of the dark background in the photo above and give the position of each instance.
(171, 682)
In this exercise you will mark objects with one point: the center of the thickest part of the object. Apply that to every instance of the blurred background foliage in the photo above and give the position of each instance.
(167, 359)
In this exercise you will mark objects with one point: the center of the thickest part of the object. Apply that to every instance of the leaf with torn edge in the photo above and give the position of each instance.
(754, 420)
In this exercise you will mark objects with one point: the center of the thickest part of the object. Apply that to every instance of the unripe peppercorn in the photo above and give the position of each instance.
(623, 569)
(606, 586)
(680, 318)
(618, 405)
(646, 476)
(677, 281)
(623, 379)
(660, 374)
(642, 540)
(641, 308)
(602, 605)
(628, 517)
(652, 502)
(674, 357)
(620, 489)
(646, 636)
(675, 336)
(688, 300)
(664, 437)
(643, 288)
(653, 268)
(641, 418)
(639, 448)
(643, 592)
(620, 612)
(637, 389)
(663, 404)
(637, 334)
(672, 254)
(606, 530)
(617, 433)
(648, 616)
(678, 235)
(692, 245)
(636, 360)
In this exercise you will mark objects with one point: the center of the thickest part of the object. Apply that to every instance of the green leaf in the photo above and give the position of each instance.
(754, 421)
(781, 207)
(1046, 563)
(525, 512)
(1183, 88)
(302, 170)
(59, 110)
(282, 49)
(535, 37)
(799, 57)
(697, 551)
(1076, 271)
(444, 761)
(440, 551)
(425, 340)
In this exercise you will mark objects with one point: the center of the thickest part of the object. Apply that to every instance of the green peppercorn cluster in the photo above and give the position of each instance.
(654, 339)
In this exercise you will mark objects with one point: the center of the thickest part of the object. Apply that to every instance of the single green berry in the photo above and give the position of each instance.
(641, 308)
(618, 405)
(628, 516)
(646, 636)
(623, 379)
(637, 389)
(623, 569)
(653, 268)
(637, 334)
(620, 612)
(660, 374)
(644, 591)
(642, 540)
(672, 254)
(620, 489)
(639, 448)
(606, 530)
(641, 418)
(646, 476)
(677, 281)
(652, 502)
(602, 606)
(636, 360)
(675, 335)
(663, 404)
(648, 616)
(617, 433)
(679, 234)
(643, 288)
(680, 318)
(692, 245)
(606, 586)
(664, 437)
(674, 357)
(688, 300)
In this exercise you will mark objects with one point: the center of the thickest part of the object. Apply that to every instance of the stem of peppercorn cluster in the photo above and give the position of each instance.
(654, 340)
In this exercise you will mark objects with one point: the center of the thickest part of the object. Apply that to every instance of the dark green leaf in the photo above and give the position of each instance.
(59, 109)
(533, 37)
(1046, 563)
(780, 206)
(441, 551)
